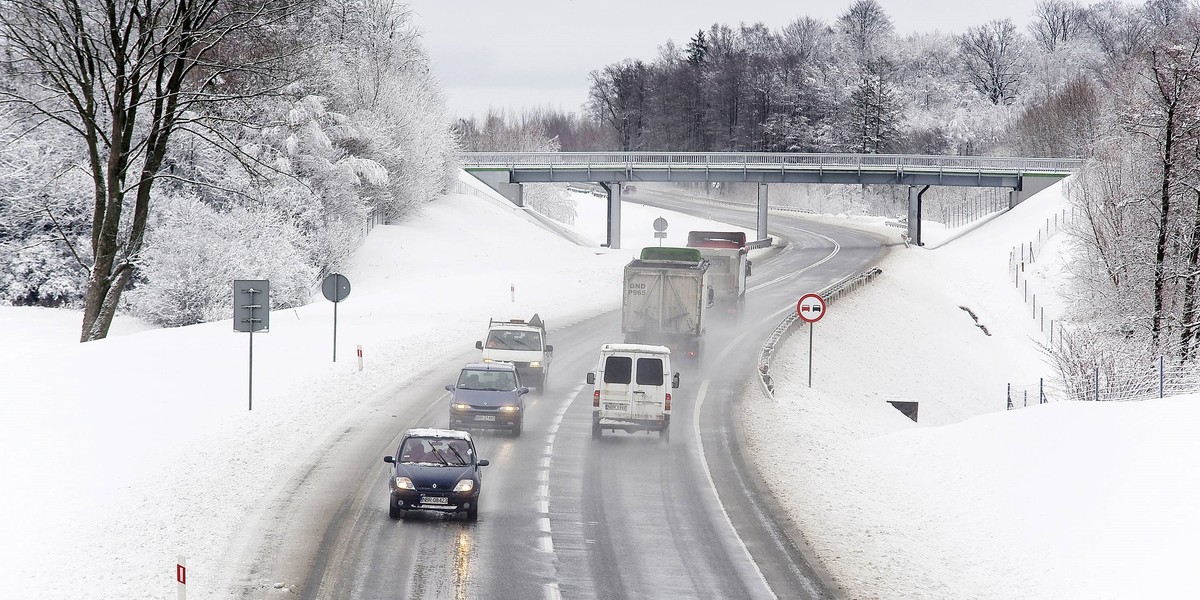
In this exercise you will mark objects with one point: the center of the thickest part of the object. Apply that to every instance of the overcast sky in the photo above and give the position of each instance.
(524, 53)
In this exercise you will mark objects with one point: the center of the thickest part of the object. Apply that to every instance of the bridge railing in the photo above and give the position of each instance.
(757, 159)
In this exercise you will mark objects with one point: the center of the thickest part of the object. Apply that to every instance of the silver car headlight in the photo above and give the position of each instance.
(535, 364)
(510, 408)
(404, 483)
(465, 485)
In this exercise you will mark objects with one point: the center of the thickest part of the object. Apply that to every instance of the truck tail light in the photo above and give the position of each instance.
(667, 405)
(596, 398)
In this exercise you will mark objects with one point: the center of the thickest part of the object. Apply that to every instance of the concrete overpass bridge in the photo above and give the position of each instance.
(506, 171)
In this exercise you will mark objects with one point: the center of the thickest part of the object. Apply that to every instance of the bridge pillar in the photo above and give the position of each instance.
(761, 230)
(914, 214)
(614, 213)
(501, 182)
(1031, 183)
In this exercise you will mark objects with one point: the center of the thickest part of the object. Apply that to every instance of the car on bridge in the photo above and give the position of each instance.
(435, 469)
(488, 395)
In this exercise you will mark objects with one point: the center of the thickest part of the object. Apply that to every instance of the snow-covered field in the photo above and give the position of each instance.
(122, 454)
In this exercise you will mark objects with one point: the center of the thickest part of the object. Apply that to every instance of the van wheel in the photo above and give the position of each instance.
(595, 430)
(473, 512)
(394, 511)
(516, 430)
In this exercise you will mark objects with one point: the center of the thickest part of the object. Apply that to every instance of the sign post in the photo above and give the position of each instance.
(810, 309)
(251, 312)
(335, 287)
(660, 230)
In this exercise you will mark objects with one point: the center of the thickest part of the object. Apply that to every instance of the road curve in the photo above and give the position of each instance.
(563, 516)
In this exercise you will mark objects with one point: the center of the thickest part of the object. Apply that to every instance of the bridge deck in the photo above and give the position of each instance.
(975, 171)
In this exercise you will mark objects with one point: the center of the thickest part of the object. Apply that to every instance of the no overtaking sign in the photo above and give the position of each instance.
(810, 308)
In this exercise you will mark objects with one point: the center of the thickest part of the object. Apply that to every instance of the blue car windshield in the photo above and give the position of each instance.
(489, 381)
(436, 451)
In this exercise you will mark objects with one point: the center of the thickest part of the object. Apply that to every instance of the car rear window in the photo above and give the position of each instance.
(618, 369)
(650, 371)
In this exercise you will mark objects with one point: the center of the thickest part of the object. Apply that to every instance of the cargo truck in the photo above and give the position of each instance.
(665, 298)
(729, 266)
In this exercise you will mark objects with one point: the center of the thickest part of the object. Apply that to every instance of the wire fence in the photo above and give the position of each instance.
(830, 294)
(1108, 383)
(1027, 253)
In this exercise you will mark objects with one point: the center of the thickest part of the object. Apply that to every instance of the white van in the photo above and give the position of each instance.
(632, 390)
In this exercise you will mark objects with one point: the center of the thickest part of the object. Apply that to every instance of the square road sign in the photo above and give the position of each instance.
(251, 305)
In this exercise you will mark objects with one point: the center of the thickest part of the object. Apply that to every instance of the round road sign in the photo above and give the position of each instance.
(660, 224)
(810, 308)
(335, 287)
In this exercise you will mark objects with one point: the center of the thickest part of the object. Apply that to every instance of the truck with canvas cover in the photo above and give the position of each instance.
(665, 298)
(729, 266)
(522, 343)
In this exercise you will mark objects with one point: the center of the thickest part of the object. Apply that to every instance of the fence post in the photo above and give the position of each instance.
(1097, 384)
(1034, 315)
(1042, 326)
(1041, 390)
(1010, 396)
(1025, 400)
(1160, 376)
(1051, 332)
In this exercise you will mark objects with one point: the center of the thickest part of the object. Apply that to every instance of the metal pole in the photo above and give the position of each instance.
(251, 391)
(335, 326)
(810, 344)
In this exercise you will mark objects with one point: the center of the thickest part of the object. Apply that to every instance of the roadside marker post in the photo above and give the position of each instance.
(360, 357)
(181, 577)
(810, 309)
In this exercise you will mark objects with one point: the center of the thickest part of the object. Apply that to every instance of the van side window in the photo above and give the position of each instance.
(650, 371)
(618, 369)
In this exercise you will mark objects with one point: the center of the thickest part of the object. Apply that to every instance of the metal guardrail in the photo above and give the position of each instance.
(781, 331)
(684, 160)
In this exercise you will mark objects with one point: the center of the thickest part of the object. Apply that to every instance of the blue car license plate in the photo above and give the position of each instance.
(434, 500)
(485, 417)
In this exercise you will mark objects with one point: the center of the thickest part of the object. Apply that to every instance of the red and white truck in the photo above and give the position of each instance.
(728, 268)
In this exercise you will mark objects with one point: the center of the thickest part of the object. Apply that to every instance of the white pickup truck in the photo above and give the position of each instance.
(522, 343)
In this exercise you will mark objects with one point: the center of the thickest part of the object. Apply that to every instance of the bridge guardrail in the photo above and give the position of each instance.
(685, 160)
(830, 294)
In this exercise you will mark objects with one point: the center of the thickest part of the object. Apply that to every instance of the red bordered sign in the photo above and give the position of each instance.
(810, 308)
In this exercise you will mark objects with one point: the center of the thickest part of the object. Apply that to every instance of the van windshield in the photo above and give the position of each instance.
(508, 339)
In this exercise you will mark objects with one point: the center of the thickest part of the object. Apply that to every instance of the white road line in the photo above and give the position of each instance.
(712, 486)
(836, 248)
(546, 539)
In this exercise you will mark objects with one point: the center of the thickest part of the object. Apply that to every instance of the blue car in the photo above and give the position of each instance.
(435, 469)
(488, 395)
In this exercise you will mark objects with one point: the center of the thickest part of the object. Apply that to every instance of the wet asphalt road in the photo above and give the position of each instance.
(565, 516)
